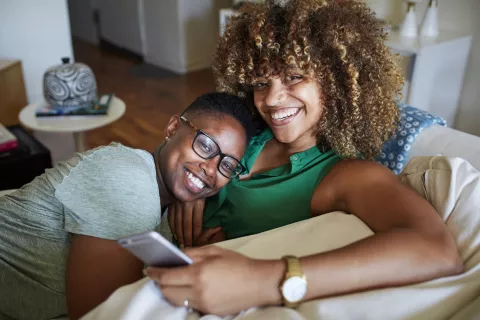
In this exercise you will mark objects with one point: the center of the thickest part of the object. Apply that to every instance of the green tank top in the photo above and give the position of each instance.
(270, 199)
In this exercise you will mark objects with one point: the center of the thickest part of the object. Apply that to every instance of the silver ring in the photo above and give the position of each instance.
(186, 305)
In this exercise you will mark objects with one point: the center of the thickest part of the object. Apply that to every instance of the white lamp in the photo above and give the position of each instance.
(430, 22)
(409, 25)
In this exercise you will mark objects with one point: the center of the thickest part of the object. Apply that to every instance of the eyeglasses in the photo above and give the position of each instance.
(206, 148)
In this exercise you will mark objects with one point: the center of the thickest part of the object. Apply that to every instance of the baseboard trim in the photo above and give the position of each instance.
(177, 68)
(107, 45)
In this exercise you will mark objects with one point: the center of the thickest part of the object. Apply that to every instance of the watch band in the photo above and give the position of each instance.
(294, 269)
(293, 266)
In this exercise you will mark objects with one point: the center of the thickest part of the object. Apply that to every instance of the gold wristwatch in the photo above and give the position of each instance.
(294, 287)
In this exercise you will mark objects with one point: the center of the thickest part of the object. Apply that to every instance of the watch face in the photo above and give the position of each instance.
(294, 289)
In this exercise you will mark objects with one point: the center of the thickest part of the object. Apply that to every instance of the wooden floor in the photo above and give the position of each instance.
(150, 102)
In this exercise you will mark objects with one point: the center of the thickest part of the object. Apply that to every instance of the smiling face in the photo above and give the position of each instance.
(184, 172)
(290, 105)
(339, 43)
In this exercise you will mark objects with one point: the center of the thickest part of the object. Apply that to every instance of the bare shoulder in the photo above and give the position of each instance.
(348, 170)
(347, 177)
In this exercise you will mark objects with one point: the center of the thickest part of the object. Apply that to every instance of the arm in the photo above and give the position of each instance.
(95, 268)
(411, 242)
(111, 193)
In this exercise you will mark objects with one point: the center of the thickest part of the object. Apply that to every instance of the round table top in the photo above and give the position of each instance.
(70, 123)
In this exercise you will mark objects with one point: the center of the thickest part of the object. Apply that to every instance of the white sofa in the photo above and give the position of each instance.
(438, 140)
(444, 141)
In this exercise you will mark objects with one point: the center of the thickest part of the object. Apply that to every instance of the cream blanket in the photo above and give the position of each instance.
(452, 185)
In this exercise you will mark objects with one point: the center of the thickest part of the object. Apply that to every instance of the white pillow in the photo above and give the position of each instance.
(452, 186)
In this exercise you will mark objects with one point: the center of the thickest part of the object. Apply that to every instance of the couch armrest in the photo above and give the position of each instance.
(438, 140)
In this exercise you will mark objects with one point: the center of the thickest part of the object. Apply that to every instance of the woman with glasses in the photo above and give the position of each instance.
(323, 82)
(58, 250)
(228, 166)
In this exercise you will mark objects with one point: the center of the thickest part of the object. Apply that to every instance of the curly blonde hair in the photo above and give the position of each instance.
(338, 43)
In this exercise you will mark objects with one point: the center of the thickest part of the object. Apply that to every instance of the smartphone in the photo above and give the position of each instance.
(154, 250)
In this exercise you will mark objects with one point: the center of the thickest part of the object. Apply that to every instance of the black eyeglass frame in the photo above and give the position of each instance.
(219, 152)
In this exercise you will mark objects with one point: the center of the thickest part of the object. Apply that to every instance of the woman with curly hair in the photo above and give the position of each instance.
(324, 85)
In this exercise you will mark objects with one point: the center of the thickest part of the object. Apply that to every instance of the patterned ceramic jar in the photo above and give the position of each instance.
(69, 84)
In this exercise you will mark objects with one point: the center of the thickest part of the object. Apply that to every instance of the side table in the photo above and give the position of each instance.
(75, 124)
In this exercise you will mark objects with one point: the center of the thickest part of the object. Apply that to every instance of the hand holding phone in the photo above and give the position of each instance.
(154, 250)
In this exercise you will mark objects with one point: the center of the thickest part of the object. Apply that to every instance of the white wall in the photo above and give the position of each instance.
(198, 24)
(181, 35)
(95, 3)
(120, 23)
(468, 117)
(453, 15)
(162, 34)
(81, 20)
(38, 34)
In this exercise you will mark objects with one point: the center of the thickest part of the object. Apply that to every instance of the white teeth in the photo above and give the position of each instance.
(283, 114)
(197, 182)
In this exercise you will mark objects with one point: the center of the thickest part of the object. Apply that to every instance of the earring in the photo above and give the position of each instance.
(167, 137)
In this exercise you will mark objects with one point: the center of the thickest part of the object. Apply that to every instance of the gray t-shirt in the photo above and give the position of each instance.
(109, 192)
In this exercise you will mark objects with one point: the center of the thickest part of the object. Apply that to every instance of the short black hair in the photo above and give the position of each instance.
(221, 103)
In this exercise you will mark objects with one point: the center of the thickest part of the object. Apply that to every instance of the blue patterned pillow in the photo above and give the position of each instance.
(412, 122)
